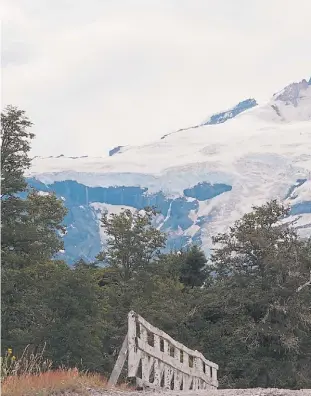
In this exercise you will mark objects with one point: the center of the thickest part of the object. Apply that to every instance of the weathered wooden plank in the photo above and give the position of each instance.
(158, 372)
(131, 336)
(168, 374)
(214, 377)
(119, 363)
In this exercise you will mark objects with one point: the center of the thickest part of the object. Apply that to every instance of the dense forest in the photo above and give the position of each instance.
(243, 308)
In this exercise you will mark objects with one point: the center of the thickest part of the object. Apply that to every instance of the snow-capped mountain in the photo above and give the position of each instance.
(201, 179)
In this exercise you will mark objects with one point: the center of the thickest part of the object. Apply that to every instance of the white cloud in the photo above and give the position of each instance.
(96, 74)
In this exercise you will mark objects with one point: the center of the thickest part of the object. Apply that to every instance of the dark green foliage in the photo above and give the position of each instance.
(265, 322)
(15, 146)
(76, 320)
(34, 235)
(52, 303)
(28, 226)
(192, 271)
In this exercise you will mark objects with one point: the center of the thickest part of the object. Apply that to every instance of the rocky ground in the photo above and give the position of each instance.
(219, 392)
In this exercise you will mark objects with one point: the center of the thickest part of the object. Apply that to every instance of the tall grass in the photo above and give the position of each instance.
(29, 362)
(31, 375)
(53, 382)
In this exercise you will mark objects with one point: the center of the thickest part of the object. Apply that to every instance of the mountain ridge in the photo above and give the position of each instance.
(201, 179)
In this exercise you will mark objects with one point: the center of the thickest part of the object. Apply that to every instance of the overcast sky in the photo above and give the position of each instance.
(93, 74)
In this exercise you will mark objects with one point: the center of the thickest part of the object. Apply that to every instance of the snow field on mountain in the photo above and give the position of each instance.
(260, 153)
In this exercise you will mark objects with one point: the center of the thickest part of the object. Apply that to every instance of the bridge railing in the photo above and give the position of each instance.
(156, 360)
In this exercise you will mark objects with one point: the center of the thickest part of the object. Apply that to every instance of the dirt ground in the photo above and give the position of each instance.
(216, 392)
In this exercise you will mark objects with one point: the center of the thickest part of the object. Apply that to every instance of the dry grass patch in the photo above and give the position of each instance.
(58, 382)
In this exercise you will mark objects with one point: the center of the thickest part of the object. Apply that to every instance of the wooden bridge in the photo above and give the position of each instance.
(157, 361)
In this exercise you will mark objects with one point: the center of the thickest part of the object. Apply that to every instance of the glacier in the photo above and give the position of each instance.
(201, 179)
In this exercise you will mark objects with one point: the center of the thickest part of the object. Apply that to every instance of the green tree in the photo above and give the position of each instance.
(15, 147)
(74, 326)
(56, 305)
(193, 270)
(132, 241)
(35, 234)
(261, 321)
(31, 226)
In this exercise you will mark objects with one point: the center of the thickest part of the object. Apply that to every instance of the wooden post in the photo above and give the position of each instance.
(131, 334)
(214, 377)
(119, 363)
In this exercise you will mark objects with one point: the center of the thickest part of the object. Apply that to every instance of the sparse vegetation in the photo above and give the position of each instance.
(53, 383)
(28, 363)
(31, 375)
